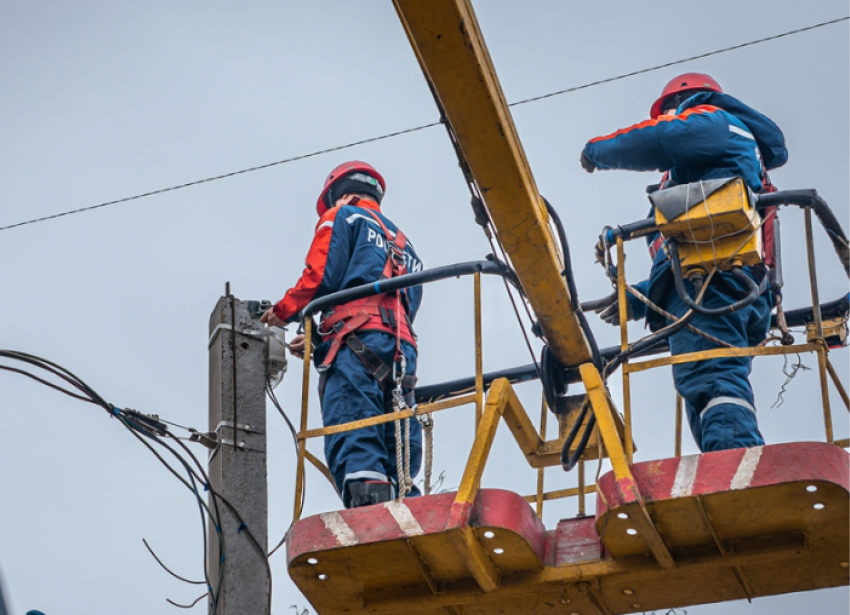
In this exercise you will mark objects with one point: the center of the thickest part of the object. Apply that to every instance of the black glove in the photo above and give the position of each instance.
(586, 164)
(611, 314)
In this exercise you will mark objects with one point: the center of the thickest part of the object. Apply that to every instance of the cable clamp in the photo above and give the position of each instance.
(260, 334)
(240, 445)
(247, 428)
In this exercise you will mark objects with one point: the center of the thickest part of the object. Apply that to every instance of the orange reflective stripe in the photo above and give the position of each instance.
(684, 115)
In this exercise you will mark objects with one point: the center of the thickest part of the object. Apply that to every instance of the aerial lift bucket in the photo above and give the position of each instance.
(690, 530)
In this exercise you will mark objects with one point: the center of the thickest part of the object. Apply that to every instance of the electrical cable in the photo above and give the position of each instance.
(423, 126)
(186, 606)
(167, 569)
(271, 394)
(45, 382)
(143, 427)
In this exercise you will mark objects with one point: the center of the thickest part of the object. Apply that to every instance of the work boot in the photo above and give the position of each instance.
(368, 492)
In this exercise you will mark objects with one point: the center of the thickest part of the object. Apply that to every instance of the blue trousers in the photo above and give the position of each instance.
(348, 393)
(718, 396)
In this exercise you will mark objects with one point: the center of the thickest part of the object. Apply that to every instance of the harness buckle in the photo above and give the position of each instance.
(396, 254)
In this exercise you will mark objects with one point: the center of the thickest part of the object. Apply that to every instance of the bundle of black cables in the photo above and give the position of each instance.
(149, 430)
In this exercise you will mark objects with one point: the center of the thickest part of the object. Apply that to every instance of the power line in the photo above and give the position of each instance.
(682, 61)
(422, 127)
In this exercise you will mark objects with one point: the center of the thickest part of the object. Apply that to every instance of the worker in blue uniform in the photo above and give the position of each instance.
(367, 346)
(697, 132)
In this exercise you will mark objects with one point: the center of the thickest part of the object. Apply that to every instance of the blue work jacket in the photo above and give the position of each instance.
(711, 136)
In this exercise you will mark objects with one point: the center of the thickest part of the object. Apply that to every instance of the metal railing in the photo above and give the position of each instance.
(476, 396)
(501, 401)
(815, 343)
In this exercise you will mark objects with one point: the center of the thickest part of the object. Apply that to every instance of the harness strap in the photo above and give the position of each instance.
(374, 312)
(373, 362)
(351, 325)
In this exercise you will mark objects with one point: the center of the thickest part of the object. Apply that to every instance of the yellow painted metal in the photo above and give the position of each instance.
(479, 360)
(722, 228)
(475, 558)
(564, 590)
(598, 396)
(299, 481)
(679, 411)
(832, 328)
(704, 355)
(582, 489)
(387, 418)
(497, 399)
(447, 40)
(813, 274)
(541, 472)
(305, 406)
(624, 344)
(305, 381)
(321, 467)
(445, 404)
(549, 452)
(838, 386)
(560, 494)
(824, 392)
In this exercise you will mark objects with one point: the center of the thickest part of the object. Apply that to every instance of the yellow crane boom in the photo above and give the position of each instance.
(448, 43)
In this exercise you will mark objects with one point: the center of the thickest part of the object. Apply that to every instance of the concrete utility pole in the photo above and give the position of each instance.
(237, 464)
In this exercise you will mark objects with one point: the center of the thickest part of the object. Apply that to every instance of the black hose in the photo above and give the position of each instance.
(565, 248)
(552, 376)
(582, 445)
(811, 198)
(490, 267)
(633, 230)
(571, 284)
(565, 451)
(738, 273)
(832, 309)
(524, 373)
(651, 345)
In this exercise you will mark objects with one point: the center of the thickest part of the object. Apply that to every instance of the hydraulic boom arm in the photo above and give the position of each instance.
(451, 51)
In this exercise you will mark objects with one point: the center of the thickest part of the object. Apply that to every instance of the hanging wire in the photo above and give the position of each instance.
(789, 376)
(168, 570)
(423, 126)
(149, 430)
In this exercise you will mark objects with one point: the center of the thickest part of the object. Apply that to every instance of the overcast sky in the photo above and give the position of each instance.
(103, 100)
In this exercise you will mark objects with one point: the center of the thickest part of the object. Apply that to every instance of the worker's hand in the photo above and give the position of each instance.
(271, 319)
(296, 347)
(611, 314)
(600, 250)
(586, 164)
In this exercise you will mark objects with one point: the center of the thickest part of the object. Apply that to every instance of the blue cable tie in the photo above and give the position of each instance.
(609, 236)
(218, 529)
(209, 588)
(206, 486)
(222, 558)
(378, 288)
(241, 527)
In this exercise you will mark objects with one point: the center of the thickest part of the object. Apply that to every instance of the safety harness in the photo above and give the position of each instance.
(385, 312)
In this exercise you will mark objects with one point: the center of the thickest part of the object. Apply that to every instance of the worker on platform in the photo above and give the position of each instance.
(366, 349)
(697, 132)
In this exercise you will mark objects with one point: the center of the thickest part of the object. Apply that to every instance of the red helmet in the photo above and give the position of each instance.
(683, 83)
(340, 171)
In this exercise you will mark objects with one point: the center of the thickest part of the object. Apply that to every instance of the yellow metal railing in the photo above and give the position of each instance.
(612, 440)
(304, 434)
(500, 402)
(815, 343)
